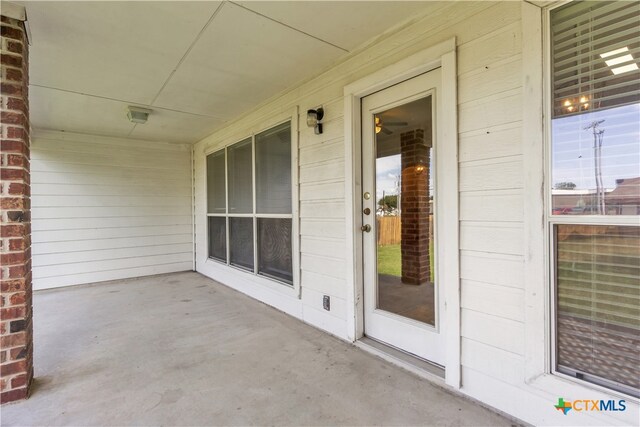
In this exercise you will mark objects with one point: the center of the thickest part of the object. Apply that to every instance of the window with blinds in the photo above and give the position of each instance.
(596, 108)
(596, 46)
(595, 174)
(598, 303)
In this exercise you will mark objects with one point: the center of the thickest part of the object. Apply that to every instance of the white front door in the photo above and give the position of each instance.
(403, 302)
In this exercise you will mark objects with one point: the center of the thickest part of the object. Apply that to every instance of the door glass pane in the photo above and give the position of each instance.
(273, 170)
(404, 214)
(241, 242)
(598, 304)
(240, 177)
(218, 238)
(274, 248)
(216, 199)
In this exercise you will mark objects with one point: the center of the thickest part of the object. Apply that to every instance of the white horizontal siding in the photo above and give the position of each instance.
(488, 205)
(499, 269)
(492, 330)
(490, 112)
(491, 204)
(492, 361)
(492, 201)
(108, 208)
(506, 301)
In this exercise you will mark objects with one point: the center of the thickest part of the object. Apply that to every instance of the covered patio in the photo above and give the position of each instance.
(194, 193)
(182, 349)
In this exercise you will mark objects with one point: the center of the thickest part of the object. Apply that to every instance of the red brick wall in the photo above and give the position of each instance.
(415, 207)
(16, 343)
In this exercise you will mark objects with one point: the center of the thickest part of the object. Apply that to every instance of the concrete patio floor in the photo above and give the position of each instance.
(181, 349)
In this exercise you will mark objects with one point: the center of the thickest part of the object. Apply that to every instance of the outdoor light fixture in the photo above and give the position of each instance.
(314, 119)
(137, 114)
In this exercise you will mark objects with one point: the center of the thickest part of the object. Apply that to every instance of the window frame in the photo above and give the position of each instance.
(224, 145)
(552, 220)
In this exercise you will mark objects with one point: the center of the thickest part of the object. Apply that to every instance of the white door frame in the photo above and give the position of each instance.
(441, 55)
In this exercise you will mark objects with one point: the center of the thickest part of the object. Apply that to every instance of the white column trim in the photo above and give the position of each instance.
(534, 273)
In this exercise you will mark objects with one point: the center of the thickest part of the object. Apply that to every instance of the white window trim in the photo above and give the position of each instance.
(231, 274)
(441, 55)
(540, 371)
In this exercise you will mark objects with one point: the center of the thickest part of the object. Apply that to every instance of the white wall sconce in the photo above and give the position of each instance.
(138, 115)
(314, 119)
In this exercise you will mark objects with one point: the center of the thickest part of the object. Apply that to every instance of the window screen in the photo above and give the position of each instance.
(240, 176)
(273, 170)
(253, 230)
(216, 193)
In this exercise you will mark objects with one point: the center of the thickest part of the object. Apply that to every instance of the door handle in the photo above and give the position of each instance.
(366, 228)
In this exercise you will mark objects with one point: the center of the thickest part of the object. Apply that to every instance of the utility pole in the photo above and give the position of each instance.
(598, 135)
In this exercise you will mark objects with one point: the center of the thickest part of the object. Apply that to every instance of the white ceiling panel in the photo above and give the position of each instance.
(122, 50)
(172, 126)
(241, 60)
(196, 64)
(72, 112)
(347, 24)
(67, 111)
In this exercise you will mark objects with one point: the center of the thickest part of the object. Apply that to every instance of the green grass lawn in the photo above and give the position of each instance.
(390, 260)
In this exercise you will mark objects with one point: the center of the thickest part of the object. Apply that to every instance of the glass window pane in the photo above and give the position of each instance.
(598, 304)
(240, 177)
(595, 46)
(218, 238)
(241, 242)
(273, 170)
(274, 248)
(405, 190)
(596, 108)
(216, 198)
(595, 163)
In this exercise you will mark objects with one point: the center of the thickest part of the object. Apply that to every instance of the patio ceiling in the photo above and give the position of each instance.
(196, 64)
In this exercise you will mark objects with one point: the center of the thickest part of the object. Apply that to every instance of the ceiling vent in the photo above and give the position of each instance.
(138, 115)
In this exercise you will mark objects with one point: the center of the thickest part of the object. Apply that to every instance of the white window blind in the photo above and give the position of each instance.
(595, 52)
(595, 172)
(598, 303)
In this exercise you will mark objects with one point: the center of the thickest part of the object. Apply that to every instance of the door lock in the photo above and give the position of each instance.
(366, 228)
(366, 211)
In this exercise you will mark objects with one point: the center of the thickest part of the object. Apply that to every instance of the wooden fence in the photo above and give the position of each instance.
(389, 228)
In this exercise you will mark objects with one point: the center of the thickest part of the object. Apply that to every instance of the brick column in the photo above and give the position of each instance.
(414, 214)
(16, 337)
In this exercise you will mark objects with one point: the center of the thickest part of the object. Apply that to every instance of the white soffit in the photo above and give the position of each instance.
(196, 64)
(347, 24)
(68, 111)
(241, 60)
(121, 50)
(174, 126)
